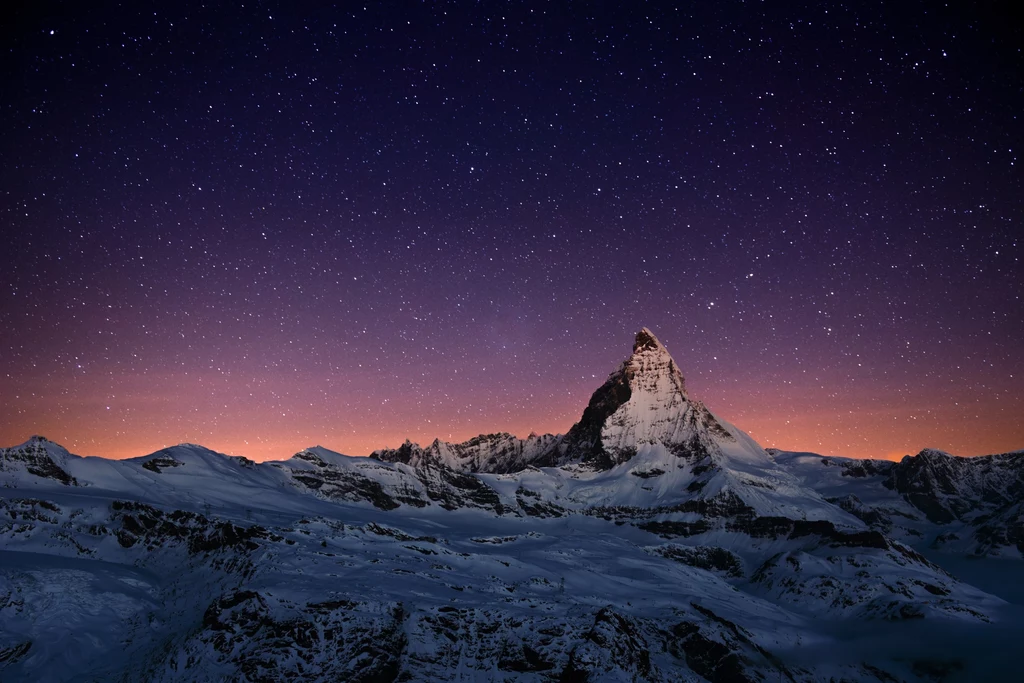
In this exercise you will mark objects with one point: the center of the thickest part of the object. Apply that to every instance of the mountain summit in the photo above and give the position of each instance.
(651, 542)
(642, 405)
(643, 402)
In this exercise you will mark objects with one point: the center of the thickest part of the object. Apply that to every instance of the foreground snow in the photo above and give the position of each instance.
(654, 542)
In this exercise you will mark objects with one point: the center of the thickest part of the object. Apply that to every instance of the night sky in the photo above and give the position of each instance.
(265, 228)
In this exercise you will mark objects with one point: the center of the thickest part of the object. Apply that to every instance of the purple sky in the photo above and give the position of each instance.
(267, 228)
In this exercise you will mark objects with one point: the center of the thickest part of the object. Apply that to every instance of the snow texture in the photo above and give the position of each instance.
(652, 542)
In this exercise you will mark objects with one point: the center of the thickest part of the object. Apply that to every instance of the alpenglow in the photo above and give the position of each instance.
(651, 542)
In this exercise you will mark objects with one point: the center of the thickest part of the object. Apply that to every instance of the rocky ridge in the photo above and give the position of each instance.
(653, 541)
(963, 505)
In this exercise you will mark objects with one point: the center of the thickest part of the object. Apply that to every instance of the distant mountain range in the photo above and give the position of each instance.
(652, 542)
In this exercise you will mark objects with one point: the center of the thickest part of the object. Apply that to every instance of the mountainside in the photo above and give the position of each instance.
(961, 505)
(493, 453)
(652, 542)
(641, 423)
(642, 403)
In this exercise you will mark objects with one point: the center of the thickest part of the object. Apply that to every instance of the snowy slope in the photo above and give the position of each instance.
(94, 589)
(658, 410)
(37, 461)
(963, 505)
(652, 542)
(496, 453)
(642, 442)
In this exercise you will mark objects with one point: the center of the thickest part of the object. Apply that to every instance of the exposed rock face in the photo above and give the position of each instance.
(266, 638)
(351, 484)
(644, 402)
(703, 557)
(386, 487)
(947, 488)
(493, 453)
(39, 457)
(973, 505)
(152, 528)
(652, 542)
(657, 409)
(159, 463)
(985, 494)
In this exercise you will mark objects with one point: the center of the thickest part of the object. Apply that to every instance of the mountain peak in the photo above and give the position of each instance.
(644, 404)
(933, 454)
(652, 365)
(39, 457)
(645, 339)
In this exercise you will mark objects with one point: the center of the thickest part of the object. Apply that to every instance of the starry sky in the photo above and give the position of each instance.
(269, 226)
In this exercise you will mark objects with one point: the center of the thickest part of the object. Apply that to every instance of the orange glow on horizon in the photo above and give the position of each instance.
(860, 436)
(276, 416)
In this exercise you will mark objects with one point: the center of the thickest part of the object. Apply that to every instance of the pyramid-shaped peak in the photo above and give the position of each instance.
(645, 339)
(652, 365)
(644, 405)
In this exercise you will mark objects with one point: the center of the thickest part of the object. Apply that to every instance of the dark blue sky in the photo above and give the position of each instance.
(287, 224)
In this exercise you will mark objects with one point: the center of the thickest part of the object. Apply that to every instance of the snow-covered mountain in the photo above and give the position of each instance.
(642, 403)
(641, 445)
(962, 505)
(652, 542)
(493, 453)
